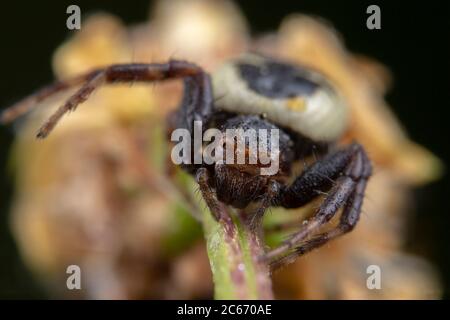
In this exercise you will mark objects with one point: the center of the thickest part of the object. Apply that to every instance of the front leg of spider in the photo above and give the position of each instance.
(204, 180)
(196, 105)
(199, 98)
(343, 175)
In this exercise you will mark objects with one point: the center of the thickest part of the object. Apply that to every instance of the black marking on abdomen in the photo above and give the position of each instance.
(277, 80)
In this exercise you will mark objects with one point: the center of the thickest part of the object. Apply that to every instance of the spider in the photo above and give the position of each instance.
(253, 91)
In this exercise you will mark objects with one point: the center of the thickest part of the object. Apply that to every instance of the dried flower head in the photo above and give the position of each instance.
(87, 196)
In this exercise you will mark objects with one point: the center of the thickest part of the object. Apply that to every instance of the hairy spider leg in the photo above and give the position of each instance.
(203, 178)
(256, 217)
(198, 101)
(348, 220)
(352, 168)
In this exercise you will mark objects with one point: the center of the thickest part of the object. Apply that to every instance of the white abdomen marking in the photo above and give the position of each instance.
(319, 114)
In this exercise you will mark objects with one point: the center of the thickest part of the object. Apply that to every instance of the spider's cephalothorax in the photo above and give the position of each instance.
(254, 92)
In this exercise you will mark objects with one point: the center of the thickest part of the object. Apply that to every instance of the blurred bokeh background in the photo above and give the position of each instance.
(412, 43)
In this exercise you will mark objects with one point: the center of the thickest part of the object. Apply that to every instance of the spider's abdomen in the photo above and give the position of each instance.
(294, 97)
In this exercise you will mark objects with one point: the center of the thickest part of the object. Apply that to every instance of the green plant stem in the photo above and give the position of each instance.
(233, 251)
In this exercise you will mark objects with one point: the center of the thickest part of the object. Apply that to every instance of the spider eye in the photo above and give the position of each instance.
(288, 95)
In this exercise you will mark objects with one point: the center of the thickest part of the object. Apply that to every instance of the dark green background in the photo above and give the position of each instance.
(412, 42)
